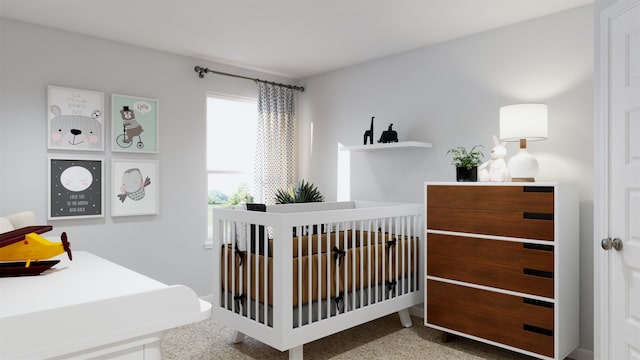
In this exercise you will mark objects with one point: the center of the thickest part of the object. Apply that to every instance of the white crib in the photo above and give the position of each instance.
(299, 272)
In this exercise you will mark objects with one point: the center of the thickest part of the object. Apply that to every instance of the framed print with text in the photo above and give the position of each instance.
(134, 124)
(76, 188)
(134, 189)
(75, 119)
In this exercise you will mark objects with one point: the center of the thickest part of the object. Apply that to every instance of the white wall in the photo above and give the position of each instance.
(168, 246)
(449, 94)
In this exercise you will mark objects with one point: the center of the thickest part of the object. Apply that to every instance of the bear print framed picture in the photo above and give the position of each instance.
(134, 124)
(134, 189)
(75, 119)
(75, 188)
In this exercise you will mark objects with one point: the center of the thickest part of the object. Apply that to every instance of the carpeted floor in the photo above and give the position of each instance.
(384, 338)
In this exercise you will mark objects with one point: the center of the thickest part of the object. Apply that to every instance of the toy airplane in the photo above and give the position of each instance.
(26, 245)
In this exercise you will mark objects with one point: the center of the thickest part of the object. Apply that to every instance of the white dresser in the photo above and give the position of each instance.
(90, 308)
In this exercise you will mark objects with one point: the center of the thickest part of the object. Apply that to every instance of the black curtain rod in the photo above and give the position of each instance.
(201, 71)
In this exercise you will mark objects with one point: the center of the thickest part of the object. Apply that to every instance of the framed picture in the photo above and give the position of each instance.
(75, 119)
(134, 124)
(134, 187)
(76, 188)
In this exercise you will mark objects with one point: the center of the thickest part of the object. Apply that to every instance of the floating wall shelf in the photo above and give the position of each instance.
(384, 146)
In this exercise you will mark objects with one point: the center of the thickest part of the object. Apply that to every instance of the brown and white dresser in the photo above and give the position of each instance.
(502, 264)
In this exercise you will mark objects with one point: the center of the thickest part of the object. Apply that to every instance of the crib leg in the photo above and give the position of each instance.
(296, 353)
(238, 337)
(405, 318)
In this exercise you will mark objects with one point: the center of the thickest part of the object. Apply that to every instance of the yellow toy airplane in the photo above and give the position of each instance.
(26, 245)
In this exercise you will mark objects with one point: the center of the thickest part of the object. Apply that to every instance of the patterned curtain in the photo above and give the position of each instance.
(277, 149)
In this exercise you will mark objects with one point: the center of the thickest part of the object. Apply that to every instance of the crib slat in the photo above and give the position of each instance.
(298, 264)
(393, 261)
(309, 279)
(224, 269)
(385, 269)
(334, 229)
(405, 238)
(265, 283)
(361, 267)
(315, 302)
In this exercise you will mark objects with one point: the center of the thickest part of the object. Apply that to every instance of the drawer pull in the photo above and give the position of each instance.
(538, 303)
(537, 329)
(540, 273)
(537, 247)
(548, 189)
(537, 216)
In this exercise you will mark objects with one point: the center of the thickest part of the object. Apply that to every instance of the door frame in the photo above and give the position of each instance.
(602, 143)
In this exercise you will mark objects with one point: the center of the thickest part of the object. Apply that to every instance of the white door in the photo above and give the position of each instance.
(624, 160)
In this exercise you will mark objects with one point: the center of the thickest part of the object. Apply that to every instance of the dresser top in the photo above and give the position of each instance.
(492, 183)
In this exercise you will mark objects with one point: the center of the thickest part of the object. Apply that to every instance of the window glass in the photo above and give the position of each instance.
(231, 139)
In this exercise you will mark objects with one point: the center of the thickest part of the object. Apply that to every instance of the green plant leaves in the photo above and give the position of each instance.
(464, 158)
(303, 192)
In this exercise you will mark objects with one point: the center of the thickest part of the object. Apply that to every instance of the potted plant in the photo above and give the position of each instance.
(302, 192)
(466, 162)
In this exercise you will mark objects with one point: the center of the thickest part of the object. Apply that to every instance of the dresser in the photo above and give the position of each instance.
(502, 264)
(91, 308)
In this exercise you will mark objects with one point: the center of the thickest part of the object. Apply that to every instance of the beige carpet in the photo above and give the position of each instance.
(384, 338)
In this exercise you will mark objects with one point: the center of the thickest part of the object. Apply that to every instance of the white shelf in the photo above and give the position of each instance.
(385, 146)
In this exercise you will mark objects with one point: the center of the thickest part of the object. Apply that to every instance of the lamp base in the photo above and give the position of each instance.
(523, 166)
(528, 179)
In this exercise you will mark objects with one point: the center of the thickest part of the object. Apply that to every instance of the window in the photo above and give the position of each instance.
(231, 139)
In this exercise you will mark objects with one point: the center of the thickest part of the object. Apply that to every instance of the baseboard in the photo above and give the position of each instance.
(581, 354)
(417, 311)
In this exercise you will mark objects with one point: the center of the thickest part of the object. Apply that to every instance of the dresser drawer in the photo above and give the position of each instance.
(519, 322)
(509, 265)
(499, 223)
(514, 211)
(535, 199)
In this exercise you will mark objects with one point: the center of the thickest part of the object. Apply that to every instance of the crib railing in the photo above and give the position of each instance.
(297, 266)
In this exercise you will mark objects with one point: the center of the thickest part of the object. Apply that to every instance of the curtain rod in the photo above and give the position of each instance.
(201, 71)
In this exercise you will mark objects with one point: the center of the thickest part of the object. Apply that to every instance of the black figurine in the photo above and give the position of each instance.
(389, 135)
(369, 133)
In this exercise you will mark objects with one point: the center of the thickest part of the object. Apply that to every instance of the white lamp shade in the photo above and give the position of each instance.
(523, 121)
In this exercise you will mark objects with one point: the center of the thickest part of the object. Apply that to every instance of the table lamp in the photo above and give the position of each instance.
(522, 122)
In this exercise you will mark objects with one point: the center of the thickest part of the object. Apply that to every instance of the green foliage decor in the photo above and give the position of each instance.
(468, 159)
(302, 192)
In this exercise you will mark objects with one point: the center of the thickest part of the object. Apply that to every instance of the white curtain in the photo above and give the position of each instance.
(276, 163)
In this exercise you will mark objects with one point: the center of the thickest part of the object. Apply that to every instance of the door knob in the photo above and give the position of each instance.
(617, 244)
(608, 243)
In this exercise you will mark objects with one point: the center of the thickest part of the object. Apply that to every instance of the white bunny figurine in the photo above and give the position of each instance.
(496, 168)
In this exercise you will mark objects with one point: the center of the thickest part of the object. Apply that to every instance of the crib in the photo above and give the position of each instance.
(290, 274)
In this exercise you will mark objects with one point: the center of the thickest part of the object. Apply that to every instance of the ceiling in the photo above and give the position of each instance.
(293, 38)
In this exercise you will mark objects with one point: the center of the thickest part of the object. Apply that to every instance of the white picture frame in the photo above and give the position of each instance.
(134, 187)
(134, 124)
(75, 119)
